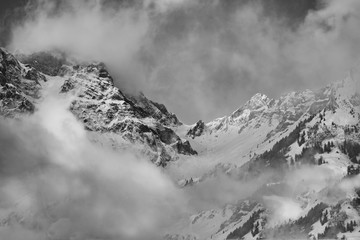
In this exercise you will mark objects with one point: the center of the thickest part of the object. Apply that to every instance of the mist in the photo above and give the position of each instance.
(210, 55)
(56, 184)
(306, 182)
(61, 186)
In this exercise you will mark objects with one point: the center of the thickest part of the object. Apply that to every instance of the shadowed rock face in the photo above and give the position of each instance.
(10, 68)
(44, 62)
(184, 148)
(34, 75)
(197, 130)
(155, 110)
(19, 85)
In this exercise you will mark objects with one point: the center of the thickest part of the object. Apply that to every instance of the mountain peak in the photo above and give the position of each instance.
(258, 100)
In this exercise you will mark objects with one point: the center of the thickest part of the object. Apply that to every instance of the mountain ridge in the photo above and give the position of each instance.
(312, 131)
(276, 146)
(99, 105)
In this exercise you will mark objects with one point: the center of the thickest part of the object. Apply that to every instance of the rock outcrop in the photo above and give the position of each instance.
(197, 130)
(20, 86)
(104, 108)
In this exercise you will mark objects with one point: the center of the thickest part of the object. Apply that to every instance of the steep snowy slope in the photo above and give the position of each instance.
(252, 129)
(261, 122)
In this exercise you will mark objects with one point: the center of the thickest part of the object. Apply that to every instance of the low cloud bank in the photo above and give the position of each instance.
(60, 186)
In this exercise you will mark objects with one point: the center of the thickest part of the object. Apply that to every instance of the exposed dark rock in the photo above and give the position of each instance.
(67, 86)
(167, 135)
(184, 148)
(34, 75)
(15, 91)
(103, 73)
(2, 79)
(197, 130)
(9, 67)
(148, 108)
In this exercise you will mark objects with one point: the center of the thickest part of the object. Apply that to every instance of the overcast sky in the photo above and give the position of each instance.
(201, 58)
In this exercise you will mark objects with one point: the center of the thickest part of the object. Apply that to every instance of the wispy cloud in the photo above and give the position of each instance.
(202, 54)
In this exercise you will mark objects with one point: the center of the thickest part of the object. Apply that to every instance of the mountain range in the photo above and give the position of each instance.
(292, 162)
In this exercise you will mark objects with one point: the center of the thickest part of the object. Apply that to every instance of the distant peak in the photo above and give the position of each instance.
(256, 101)
(259, 96)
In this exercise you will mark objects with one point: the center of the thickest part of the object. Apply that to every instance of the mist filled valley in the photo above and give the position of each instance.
(179, 120)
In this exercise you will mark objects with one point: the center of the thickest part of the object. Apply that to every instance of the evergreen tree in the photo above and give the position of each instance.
(324, 219)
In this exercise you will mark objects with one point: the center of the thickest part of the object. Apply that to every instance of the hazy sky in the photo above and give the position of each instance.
(201, 58)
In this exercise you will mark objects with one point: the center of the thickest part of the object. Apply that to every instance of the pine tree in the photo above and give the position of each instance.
(349, 227)
(255, 230)
(324, 219)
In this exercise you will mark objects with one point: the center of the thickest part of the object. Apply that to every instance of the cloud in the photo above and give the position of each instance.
(301, 188)
(350, 185)
(283, 209)
(83, 28)
(61, 186)
(210, 55)
(56, 184)
(221, 189)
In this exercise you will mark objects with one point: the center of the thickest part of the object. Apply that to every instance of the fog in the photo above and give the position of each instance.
(305, 185)
(210, 55)
(56, 184)
(63, 187)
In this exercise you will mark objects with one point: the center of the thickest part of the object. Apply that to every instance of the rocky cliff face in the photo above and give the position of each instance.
(102, 107)
(20, 86)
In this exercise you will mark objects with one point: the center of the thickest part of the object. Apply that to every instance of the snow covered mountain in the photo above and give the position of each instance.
(292, 163)
(261, 122)
(292, 138)
(101, 106)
